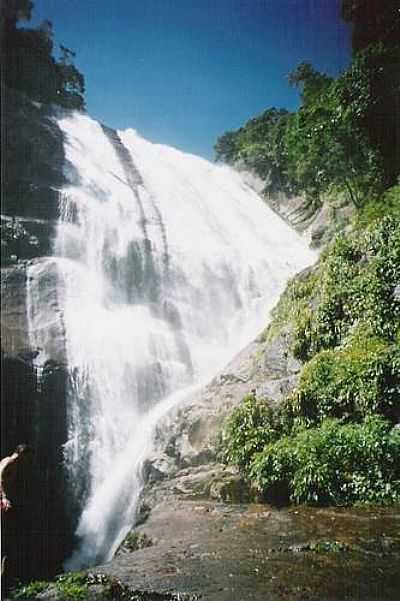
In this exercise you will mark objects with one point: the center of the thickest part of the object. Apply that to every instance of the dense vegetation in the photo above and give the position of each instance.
(79, 586)
(28, 63)
(345, 137)
(336, 438)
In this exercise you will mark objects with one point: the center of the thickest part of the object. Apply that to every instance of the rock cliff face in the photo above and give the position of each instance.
(317, 221)
(33, 163)
(267, 369)
(33, 158)
(36, 532)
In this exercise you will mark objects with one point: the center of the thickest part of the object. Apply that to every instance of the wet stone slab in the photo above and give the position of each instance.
(255, 553)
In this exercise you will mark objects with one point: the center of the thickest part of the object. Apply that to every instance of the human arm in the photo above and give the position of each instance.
(5, 464)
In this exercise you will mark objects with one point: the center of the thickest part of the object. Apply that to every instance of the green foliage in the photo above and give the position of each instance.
(70, 587)
(309, 80)
(326, 145)
(259, 146)
(334, 464)
(387, 205)
(73, 586)
(12, 11)
(137, 540)
(343, 140)
(295, 302)
(323, 146)
(227, 147)
(376, 46)
(331, 440)
(76, 586)
(29, 591)
(359, 274)
(247, 431)
(361, 378)
(373, 90)
(70, 82)
(328, 547)
(30, 65)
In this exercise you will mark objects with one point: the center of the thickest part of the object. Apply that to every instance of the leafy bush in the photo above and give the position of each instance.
(71, 587)
(387, 205)
(358, 277)
(248, 430)
(326, 143)
(259, 145)
(295, 303)
(354, 282)
(359, 379)
(334, 464)
(29, 591)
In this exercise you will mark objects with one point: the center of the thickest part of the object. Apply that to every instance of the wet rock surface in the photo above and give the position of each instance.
(33, 395)
(190, 437)
(33, 411)
(211, 539)
(33, 158)
(37, 531)
(224, 552)
(15, 338)
(318, 221)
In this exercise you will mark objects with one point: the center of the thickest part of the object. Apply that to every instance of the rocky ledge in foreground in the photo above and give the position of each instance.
(201, 550)
(252, 552)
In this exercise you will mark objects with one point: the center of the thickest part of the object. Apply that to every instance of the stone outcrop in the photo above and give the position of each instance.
(318, 222)
(33, 174)
(36, 532)
(236, 552)
(17, 340)
(190, 438)
(33, 159)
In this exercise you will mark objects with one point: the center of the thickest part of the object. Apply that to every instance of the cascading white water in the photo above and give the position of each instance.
(169, 267)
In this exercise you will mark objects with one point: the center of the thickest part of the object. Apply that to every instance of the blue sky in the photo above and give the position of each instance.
(182, 72)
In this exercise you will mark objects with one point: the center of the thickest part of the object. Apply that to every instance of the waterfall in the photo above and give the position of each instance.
(168, 266)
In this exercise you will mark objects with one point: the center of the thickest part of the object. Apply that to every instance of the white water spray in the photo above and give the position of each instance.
(169, 266)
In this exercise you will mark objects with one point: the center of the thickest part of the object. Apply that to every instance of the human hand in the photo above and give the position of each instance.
(5, 504)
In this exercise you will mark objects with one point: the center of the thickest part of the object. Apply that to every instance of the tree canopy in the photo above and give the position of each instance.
(29, 64)
(376, 25)
(373, 21)
(345, 137)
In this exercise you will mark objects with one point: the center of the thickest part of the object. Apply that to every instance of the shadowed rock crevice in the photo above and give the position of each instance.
(36, 533)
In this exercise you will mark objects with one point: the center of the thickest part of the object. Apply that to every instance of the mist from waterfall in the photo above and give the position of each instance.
(168, 266)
